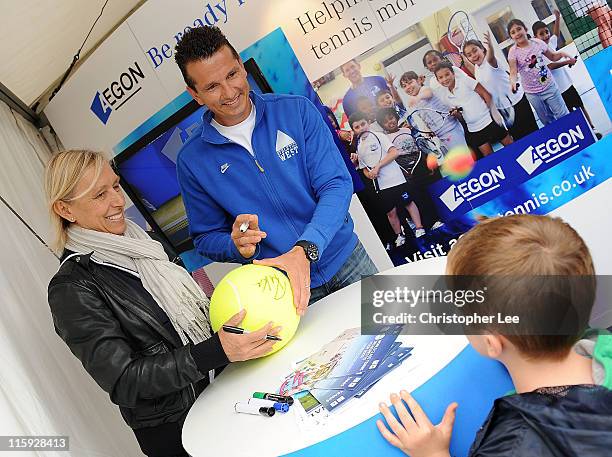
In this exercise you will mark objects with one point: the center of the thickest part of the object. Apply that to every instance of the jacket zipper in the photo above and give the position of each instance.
(279, 206)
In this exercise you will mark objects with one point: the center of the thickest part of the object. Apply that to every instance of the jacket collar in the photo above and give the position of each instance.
(211, 135)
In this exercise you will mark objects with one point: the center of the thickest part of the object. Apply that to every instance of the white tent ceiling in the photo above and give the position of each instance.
(38, 39)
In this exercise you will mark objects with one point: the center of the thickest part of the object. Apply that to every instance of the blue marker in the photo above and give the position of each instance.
(280, 407)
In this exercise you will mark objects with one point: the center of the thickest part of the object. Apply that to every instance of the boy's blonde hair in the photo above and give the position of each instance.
(529, 246)
(62, 175)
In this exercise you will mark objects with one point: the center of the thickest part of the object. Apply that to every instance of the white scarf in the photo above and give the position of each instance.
(171, 286)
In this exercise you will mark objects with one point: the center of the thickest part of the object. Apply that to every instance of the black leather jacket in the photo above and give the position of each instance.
(107, 323)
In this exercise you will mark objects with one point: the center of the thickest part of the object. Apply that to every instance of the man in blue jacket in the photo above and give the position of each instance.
(261, 177)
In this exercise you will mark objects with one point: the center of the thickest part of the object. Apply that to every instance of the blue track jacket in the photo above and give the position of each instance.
(301, 189)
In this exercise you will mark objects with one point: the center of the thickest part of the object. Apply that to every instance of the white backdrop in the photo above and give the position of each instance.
(44, 390)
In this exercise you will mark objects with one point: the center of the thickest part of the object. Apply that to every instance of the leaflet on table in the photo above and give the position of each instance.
(356, 380)
(392, 361)
(357, 384)
(347, 354)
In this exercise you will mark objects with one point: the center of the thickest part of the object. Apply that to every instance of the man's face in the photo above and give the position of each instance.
(360, 126)
(390, 124)
(221, 84)
(352, 71)
(543, 34)
(445, 77)
(385, 100)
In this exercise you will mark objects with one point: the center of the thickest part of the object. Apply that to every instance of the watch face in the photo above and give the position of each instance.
(313, 252)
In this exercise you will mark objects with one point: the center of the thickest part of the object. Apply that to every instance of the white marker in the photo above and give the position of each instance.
(256, 410)
(244, 227)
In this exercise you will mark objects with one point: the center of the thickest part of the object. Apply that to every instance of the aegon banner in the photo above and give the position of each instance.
(499, 173)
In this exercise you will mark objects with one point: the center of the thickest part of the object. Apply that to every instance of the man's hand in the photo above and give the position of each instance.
(246, 242)
(417, 437)
(297, 267)
(248, 345)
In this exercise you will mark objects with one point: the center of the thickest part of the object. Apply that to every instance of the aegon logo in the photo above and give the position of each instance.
(534, 156)
(473, 188)
(117, 93)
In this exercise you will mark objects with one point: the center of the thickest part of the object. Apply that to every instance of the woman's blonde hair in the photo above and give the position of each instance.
(62, 175)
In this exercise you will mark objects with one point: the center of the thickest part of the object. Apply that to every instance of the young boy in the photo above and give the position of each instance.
(451, 133)
(562, 77)
(413, 163)
(563, 402)
(384, 99)
(391, 182)
(476, 104)
(367, 107)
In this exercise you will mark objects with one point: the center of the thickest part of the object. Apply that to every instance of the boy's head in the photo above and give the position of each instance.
(540, 257)
(540, 31)
(445, 74)
(388, 119)
(384, 99)
(359, 122)
(365, 105)
(432, 58)
(410, 83)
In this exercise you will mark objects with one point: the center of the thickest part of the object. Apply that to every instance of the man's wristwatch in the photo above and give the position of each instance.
(310, 249)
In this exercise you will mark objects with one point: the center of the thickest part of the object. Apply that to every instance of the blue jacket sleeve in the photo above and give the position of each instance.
(210, 226)
(329, 178)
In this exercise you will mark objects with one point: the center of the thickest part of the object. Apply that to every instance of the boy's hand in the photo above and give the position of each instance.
(417, 436)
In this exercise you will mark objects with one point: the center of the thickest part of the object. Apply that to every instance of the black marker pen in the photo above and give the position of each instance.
(240, 331)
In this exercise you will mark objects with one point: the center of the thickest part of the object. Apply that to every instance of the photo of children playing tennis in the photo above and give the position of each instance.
(466, 81)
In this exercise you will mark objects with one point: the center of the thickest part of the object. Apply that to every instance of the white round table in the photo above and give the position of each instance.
(212, 428)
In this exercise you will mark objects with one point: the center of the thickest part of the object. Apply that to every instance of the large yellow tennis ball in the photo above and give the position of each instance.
(266, 295)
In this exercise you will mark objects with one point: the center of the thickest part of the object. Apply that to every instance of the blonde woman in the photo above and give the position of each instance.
(137, 322)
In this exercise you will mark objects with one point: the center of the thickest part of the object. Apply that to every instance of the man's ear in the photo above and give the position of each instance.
(194, 95)
(62, 209)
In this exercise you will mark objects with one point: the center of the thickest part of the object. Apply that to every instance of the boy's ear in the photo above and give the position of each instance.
(494, 345)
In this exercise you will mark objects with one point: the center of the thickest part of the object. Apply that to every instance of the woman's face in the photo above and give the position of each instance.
(474, 54)
(431, 61)
(101, 208)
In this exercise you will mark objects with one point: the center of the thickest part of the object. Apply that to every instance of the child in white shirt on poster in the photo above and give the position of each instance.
(476, 104)
(496, 80)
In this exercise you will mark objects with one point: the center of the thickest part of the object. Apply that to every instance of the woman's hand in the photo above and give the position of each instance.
(415, 434)
(247, 346)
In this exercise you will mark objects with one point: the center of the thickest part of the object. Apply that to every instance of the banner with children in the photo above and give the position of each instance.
(420, 111)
